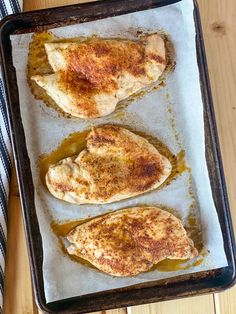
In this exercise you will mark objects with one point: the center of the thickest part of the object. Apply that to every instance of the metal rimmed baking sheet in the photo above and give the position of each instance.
(220, 200)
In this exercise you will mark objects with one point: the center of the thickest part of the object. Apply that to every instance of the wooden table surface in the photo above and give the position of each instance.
(219, 26)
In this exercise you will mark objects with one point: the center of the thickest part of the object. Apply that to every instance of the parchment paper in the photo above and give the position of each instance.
(178, 107)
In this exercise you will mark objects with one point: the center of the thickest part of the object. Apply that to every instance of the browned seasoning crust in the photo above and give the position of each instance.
(117, 164)
(73, 83)
(90, 77)
(103, 61)
(131, 241)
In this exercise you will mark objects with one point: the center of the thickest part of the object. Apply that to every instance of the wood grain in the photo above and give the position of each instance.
(219, 26)
(30, 5)
(205, 304)
(18, 296)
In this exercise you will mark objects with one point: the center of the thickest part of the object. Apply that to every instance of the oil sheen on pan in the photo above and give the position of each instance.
(82, 177)
(118, 69)
(156, 240)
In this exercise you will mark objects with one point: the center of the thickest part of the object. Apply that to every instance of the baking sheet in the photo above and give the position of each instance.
(173, 114)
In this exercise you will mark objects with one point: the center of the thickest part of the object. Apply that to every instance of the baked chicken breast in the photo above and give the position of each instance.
(131, 241)
(90, 77)
(116, 165)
